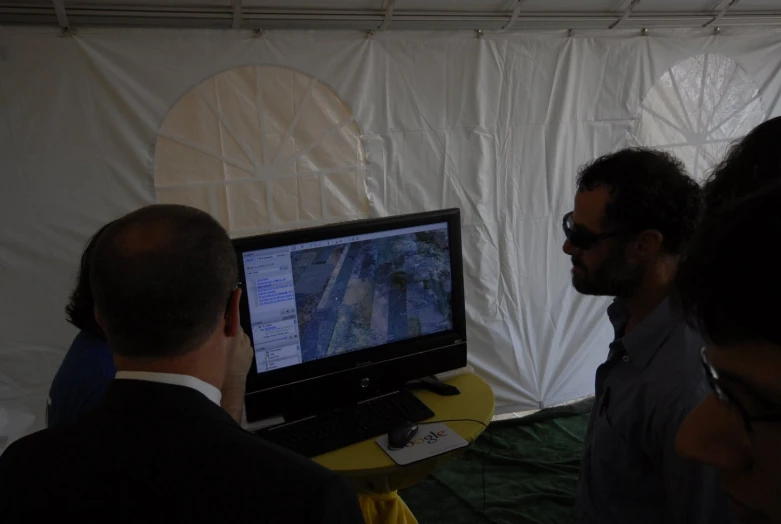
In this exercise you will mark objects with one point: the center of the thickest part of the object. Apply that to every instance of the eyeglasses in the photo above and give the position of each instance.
(728, 400)
(584, 239)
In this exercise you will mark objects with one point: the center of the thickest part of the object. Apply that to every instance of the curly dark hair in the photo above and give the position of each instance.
(730, 283)
(649, 189)
(750, 164)
(80, 310)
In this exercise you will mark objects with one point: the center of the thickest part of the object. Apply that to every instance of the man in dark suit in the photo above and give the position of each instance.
(159, 447)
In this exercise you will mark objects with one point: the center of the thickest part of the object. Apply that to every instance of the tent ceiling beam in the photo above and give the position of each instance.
(626, 14)
(515, 15)
(621, 7)
(388, 15)
(62, 16)
(85, 15)
(723, 11)
(237, 4)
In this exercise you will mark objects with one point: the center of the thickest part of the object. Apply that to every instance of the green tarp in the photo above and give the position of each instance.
(530, 474)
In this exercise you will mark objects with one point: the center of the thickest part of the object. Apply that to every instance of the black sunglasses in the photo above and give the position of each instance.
(728, 400)
(584, 239)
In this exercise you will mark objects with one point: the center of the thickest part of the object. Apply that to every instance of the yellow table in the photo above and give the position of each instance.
(377, 478)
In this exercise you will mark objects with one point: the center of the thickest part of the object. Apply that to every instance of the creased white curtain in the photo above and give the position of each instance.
(496, 126)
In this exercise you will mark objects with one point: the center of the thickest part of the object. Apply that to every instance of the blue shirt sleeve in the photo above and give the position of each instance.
(82, 379)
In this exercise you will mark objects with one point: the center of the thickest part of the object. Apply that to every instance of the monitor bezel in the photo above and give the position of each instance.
(257, 382)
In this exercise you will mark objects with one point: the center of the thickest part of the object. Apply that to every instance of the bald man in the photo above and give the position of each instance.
(160, 447)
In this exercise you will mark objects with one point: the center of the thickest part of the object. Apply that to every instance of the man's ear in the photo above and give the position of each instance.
(232, 324)
(648, 244)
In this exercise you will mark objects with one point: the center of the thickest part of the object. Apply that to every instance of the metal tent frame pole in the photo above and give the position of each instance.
(238, 14)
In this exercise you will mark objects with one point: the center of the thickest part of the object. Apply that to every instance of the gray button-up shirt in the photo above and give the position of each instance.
(630, 471)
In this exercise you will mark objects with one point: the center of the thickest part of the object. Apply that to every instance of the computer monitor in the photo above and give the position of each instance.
(350, 311)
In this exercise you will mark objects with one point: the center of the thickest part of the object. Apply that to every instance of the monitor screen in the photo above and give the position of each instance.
(325, 298)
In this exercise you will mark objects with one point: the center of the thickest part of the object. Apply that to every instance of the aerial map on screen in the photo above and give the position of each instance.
(372, 292)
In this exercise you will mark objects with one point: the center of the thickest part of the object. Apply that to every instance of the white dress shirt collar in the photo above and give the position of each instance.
(197, 384)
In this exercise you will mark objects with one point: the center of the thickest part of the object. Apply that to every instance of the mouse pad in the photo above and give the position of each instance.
(430, 440)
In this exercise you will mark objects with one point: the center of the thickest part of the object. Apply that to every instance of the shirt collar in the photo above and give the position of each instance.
(209, 391)
(642, 342)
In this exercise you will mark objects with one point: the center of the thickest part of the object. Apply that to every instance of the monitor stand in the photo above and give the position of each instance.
(434, 385)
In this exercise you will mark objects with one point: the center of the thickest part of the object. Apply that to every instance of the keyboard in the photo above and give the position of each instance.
(347, 425)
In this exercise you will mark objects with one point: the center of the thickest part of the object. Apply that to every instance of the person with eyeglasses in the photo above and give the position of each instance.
(635, 213)
(730, 284)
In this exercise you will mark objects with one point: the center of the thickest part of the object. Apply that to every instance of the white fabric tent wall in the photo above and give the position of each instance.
(496, 126)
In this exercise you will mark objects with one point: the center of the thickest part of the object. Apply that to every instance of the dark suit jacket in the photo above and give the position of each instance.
(160, 453)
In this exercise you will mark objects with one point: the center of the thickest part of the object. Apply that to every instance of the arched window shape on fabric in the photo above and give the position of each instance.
(261, 149)
(697, 108)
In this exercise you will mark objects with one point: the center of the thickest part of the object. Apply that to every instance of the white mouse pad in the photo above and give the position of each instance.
(430, 440)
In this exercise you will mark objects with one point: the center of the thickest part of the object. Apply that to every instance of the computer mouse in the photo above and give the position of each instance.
(399, 436)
